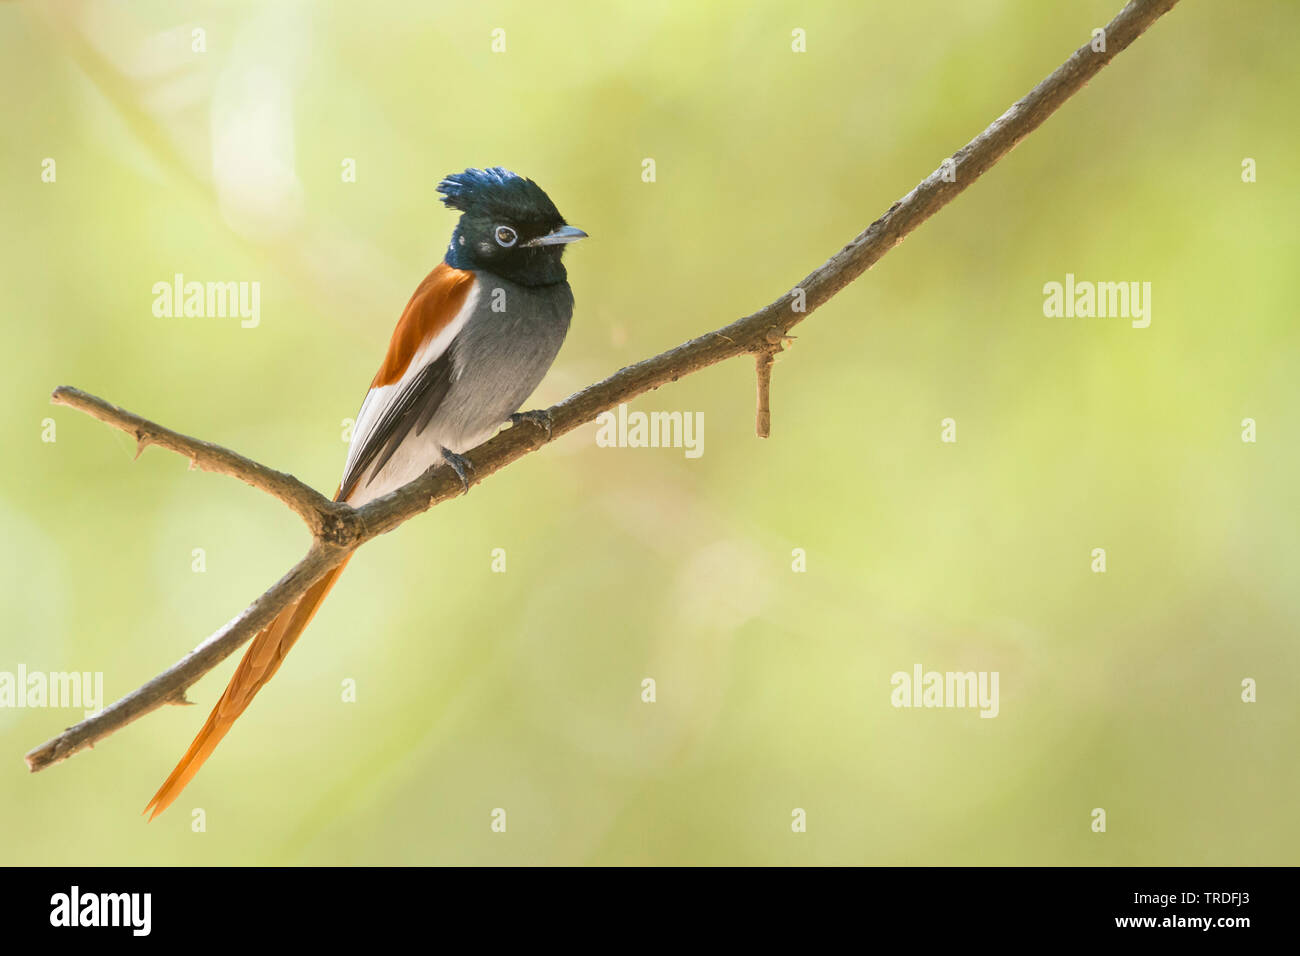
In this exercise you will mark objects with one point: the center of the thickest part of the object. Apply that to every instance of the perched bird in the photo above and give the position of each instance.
(473, 343)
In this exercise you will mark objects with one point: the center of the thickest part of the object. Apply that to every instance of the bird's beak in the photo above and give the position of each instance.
(558, 237)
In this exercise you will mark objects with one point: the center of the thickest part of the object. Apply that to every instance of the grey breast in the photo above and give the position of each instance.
(507, 346)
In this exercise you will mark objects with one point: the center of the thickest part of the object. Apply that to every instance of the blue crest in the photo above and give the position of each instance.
(497, 192)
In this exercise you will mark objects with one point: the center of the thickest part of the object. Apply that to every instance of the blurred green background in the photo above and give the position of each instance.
(478, 690)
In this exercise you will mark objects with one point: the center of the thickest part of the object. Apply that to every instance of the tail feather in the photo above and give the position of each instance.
(260, 662)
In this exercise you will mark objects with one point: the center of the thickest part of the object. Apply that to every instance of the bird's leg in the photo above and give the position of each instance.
(538, 416)
(459, 464)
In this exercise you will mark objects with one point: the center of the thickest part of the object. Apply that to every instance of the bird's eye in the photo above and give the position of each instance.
(506, 237)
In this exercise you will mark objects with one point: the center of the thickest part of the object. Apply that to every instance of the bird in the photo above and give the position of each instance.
(476, 338)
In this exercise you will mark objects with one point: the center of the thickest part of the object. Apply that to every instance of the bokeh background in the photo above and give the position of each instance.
(478, 690)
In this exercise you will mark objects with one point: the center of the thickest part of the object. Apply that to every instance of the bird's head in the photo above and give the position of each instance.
(508, 226)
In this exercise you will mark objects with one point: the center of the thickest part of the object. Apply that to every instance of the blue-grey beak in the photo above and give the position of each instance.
(558, 237)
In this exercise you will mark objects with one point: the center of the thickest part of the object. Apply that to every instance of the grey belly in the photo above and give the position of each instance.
(500, 358)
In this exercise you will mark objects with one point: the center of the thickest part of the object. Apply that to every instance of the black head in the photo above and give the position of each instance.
(508, 226)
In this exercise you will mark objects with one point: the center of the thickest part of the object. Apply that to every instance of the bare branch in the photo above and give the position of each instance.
(313, 507)
(338, 529)
(169, 686)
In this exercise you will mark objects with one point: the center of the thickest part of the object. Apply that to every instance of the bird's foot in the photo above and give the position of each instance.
(461, 465)
(538, 416)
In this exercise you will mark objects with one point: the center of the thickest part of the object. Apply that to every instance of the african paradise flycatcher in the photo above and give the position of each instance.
(474, 341)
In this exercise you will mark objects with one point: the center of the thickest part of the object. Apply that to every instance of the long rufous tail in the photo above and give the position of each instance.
(261, 661)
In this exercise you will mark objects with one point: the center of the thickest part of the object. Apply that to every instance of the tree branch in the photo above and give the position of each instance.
(169, 687)
(313, 507)
(338, 529)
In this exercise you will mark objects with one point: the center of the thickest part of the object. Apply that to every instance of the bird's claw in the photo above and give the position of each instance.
(538, 416)
(460, 465)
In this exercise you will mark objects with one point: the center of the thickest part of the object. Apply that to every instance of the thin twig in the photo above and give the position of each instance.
(763, 373)
(310, 505)
(338, 529)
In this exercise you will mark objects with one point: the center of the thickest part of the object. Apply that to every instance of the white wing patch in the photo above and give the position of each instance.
(378, 400)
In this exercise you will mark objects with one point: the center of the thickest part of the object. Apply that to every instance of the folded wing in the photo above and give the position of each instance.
(415, 375)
